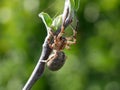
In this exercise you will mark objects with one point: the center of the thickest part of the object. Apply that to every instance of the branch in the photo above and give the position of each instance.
(46, 50)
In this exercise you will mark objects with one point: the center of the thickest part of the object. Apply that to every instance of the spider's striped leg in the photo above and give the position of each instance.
(72, 39)
(53, 55)
(61, 33)
(50, 39)
(63, 25)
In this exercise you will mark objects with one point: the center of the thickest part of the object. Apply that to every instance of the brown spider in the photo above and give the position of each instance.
(61, 42)
(57, 59)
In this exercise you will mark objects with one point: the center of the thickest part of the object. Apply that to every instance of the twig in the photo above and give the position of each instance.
(46, 50)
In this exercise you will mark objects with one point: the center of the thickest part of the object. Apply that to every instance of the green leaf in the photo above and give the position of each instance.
(75, 4)
(46, 19)
(57, 22)
(72, 3)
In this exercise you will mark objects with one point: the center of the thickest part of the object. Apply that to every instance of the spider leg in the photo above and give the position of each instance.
(74, 31)
(69, 38)
(71, 42)
(67, 46)
(63, 27)
(52, 56)
(72, 39)
(49, 43)
(55, 42)
(51, 33)
(61, 33)
(55, 39)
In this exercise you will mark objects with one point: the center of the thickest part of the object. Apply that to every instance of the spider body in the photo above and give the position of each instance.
(58, 58)
(59, 44)
(56, 62)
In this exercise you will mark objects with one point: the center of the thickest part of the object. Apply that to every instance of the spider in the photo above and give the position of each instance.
(59, 43)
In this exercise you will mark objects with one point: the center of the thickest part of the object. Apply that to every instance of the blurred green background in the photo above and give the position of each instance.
(92, 64)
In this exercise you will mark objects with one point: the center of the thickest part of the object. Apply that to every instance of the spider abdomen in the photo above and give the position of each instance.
(56, 63)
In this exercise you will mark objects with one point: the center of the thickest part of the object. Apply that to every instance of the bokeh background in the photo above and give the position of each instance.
(92, 64)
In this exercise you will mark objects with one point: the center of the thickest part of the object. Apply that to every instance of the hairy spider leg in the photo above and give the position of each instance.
(49, 39)
(53, 56)
(51, 45)
(62, 27)
(61, 33)
(55, 41)
(51, 33)
(71, 39)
